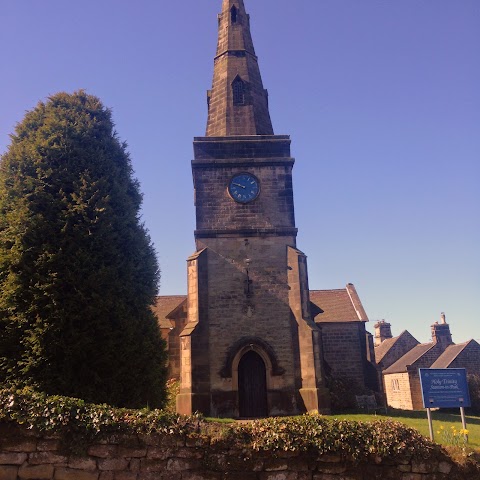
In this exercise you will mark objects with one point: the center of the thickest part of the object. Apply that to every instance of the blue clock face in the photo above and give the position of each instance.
(243, 188)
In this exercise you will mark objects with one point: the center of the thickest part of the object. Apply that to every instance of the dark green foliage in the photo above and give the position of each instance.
(79, 423)
(474, 387)
(384, 438)
(343, 391)
(358, 440)
(173, 389)
(78, 273)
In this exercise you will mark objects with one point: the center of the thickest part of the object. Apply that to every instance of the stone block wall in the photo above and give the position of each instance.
(235, 310)
(180, 320)
(397, 391)
(25, 455)
(216, 210)
(416, 390)
(344, 349)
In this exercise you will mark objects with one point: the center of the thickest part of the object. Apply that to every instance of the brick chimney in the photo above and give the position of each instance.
(441, 332)
(382, 332)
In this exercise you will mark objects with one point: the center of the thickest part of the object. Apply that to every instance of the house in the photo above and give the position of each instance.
(389, 349)
(400, 358)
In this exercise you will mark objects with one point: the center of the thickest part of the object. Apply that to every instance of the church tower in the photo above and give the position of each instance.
(250, 347)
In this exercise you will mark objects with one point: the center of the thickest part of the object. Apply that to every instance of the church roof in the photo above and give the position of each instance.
(410, 358)
(164, 306)
(338, 305)
(450, 354)
(382, 349)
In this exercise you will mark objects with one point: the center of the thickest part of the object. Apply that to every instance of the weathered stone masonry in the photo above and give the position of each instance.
(27, 455)
(250, 347)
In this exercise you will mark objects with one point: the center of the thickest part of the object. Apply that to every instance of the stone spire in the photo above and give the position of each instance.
(237, 102)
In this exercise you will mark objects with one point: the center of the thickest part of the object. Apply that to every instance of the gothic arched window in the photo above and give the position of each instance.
(233, 14)
(238, 87)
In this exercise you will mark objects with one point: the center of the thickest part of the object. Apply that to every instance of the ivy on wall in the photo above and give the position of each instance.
(78, 423)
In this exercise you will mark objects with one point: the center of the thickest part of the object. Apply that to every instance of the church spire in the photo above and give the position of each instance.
(237, 103)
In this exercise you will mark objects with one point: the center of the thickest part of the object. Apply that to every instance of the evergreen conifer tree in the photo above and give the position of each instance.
(78, 272)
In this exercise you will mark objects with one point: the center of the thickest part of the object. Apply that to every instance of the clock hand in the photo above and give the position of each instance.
(238, 185)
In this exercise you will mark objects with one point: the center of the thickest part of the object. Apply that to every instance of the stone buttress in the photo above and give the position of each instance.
(250, 347)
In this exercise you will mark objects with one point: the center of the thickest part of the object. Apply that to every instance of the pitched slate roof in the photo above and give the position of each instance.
(164, 306)
(339, 305)
(449, 355)
(409, 358)
(382, 349)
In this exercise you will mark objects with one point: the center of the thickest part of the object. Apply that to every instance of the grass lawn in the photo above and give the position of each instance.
(418, 420)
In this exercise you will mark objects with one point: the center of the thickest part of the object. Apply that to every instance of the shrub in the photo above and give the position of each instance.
(173, 389)
(354, 439)
(474, 387)
(78, 273)
(79, 422)
(343, 391)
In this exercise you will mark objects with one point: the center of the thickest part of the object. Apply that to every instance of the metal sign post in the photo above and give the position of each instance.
(464, 424)
(430, 424)
(444, 388)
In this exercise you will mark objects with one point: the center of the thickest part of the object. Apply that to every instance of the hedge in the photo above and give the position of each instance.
(78, 422)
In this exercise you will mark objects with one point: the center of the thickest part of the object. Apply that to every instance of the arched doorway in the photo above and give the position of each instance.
(252, 386)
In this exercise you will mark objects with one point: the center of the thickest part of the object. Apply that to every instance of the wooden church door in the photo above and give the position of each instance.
(252, 386)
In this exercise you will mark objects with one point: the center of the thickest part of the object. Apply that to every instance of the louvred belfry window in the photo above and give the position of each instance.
(233, 14)
(238, 87)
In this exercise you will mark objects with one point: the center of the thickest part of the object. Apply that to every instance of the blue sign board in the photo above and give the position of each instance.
(444, 387)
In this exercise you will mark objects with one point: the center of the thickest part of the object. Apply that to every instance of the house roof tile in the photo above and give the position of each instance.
(449, 355)
(384, 347)
(165, 305)
(336, 306)
(409, 358)
(387, 344)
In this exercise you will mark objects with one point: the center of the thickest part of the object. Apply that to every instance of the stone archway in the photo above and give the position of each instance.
(252, 386)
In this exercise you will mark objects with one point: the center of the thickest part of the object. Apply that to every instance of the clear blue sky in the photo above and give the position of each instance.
(381, 99)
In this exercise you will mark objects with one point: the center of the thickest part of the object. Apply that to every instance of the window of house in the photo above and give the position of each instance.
(395, 385)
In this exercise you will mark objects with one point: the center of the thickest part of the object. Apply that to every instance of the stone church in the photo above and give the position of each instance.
(250, 339)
